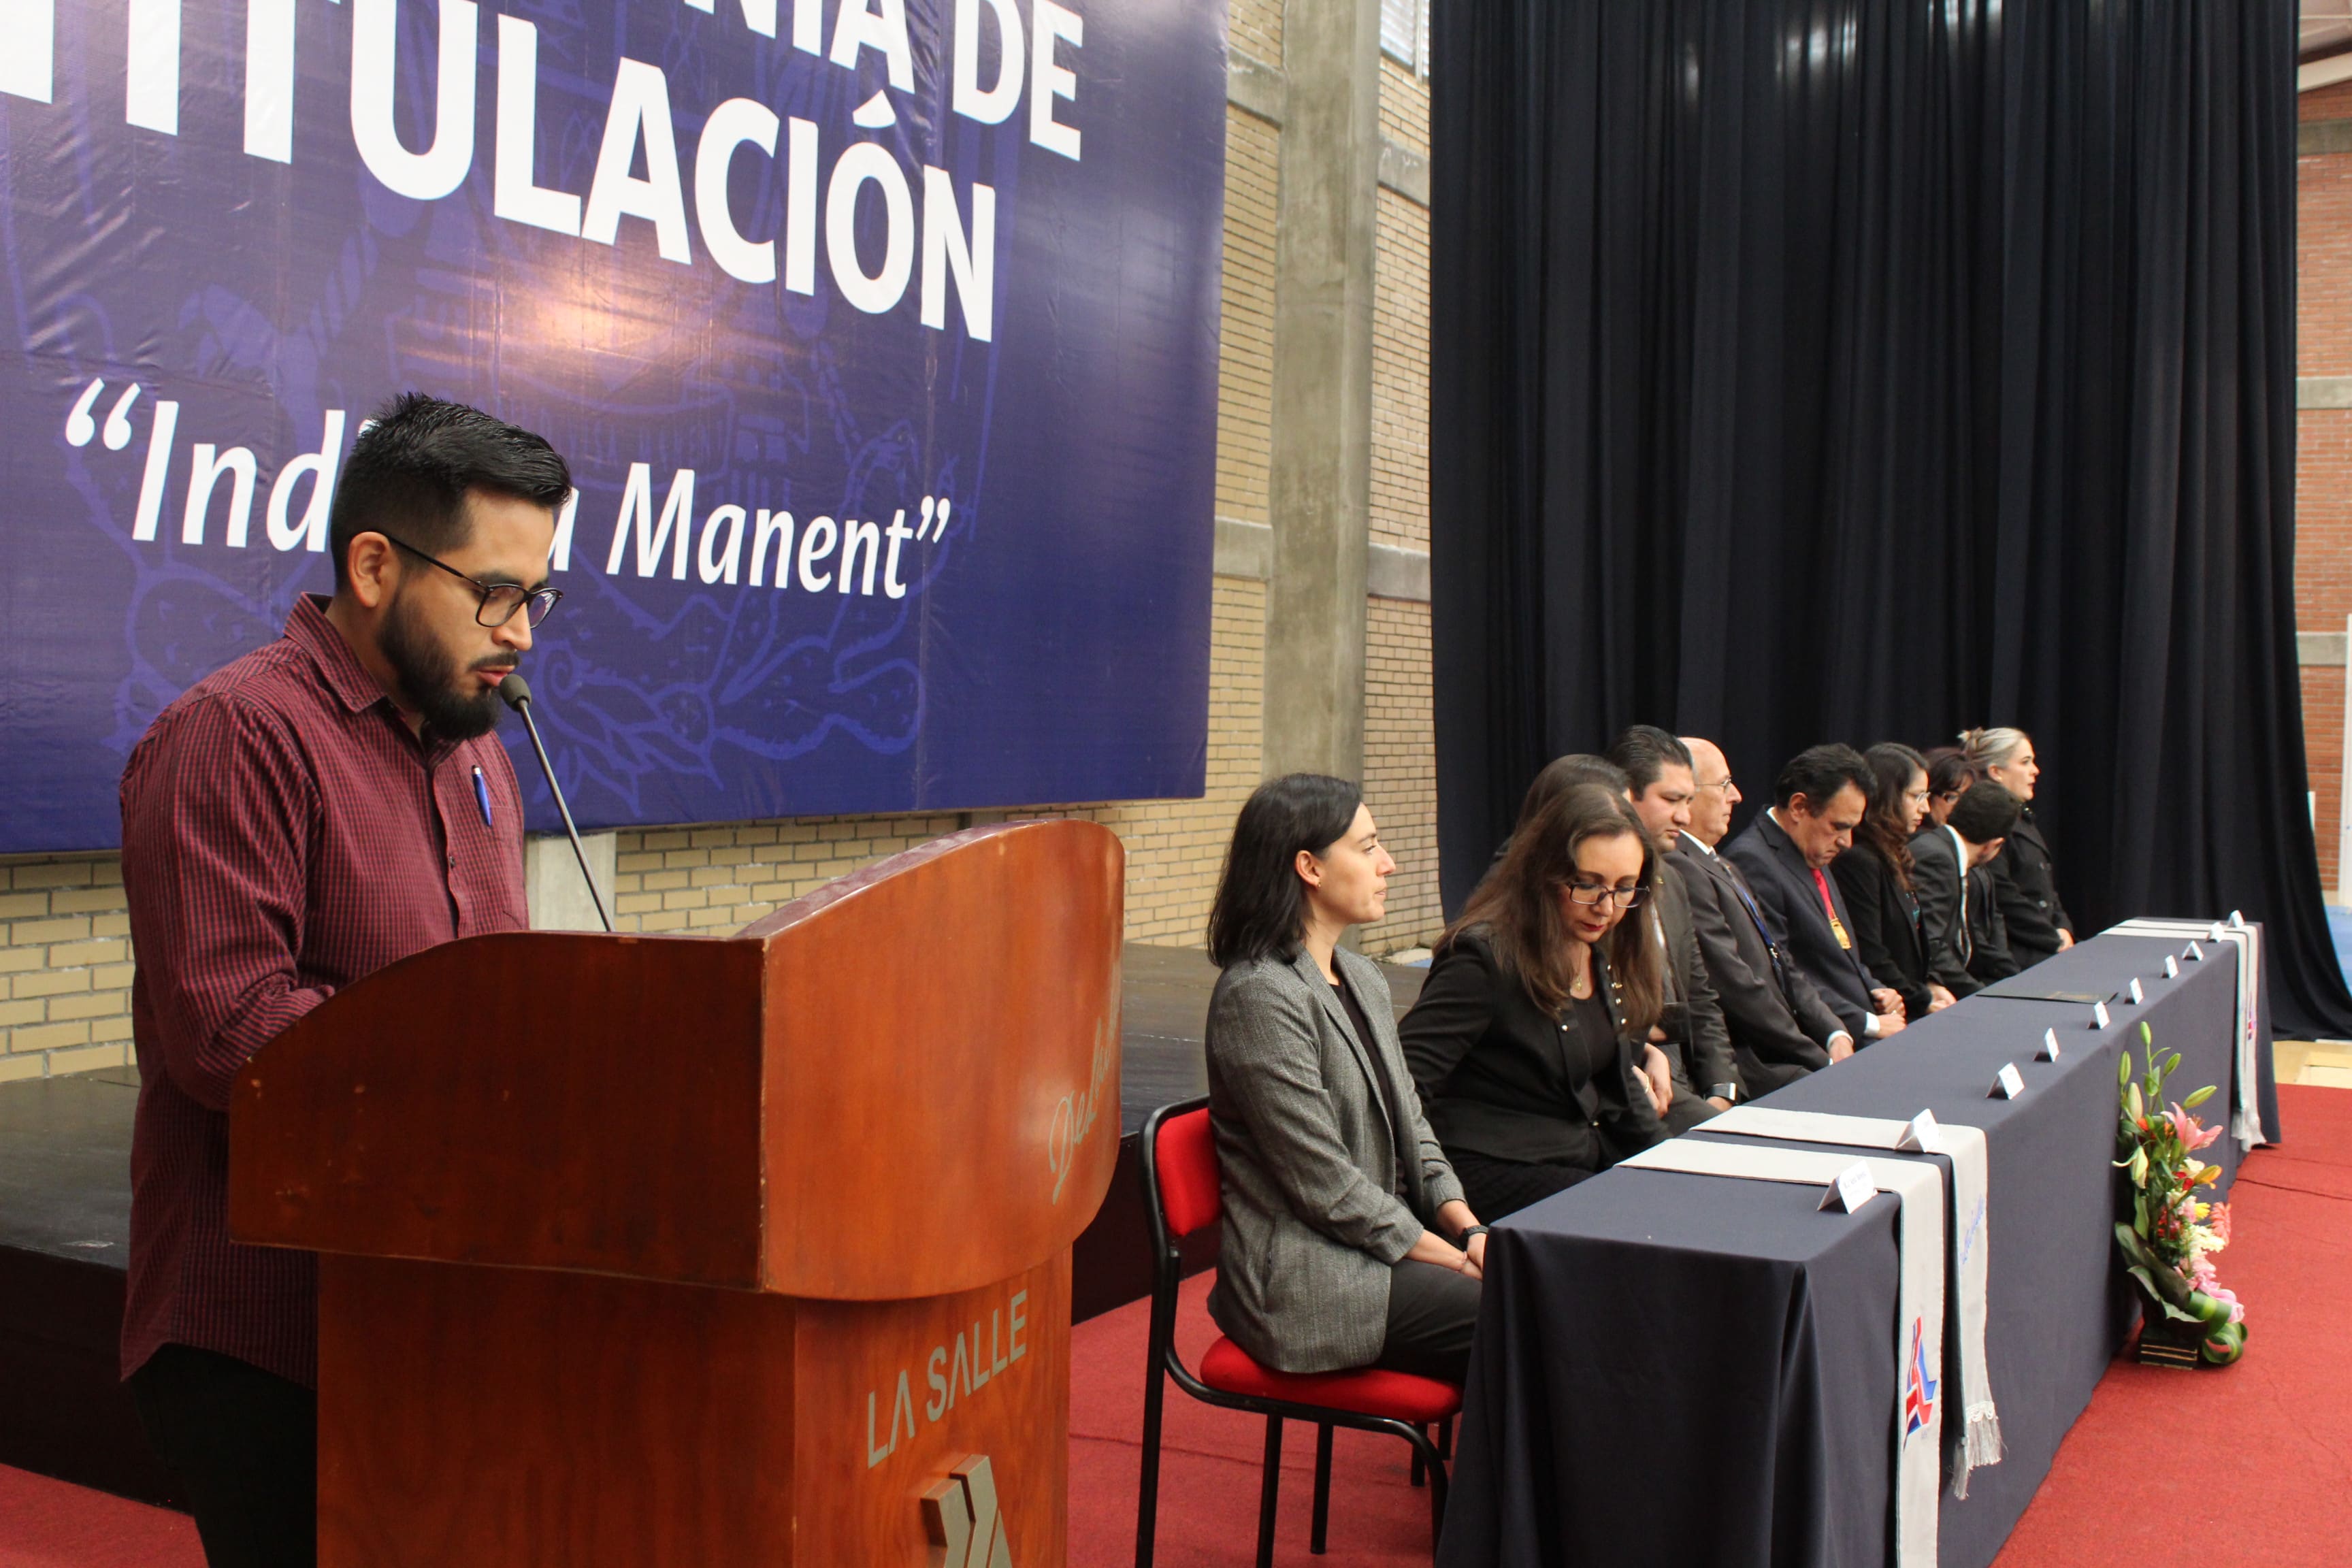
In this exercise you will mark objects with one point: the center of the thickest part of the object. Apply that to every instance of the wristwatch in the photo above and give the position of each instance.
(1728, 1092)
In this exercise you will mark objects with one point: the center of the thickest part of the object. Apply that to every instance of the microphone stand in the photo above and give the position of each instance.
(515, 693)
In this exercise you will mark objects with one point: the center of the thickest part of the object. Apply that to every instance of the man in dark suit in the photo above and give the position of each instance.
(1959, 912)
(1817, 803)
(1780, 1029)
(1691, 1032)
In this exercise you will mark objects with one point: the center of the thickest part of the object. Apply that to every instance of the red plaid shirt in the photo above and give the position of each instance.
(283, 834)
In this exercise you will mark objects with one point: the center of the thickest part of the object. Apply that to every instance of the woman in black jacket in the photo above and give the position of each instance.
(2024, 879)
(1523, 1041)
(1875, 874)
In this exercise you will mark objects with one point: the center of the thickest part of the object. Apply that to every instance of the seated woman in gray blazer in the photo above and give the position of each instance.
(1344, 1227)
(1524, 1042)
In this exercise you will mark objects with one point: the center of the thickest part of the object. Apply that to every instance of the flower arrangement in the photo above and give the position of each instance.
(2169, 1241)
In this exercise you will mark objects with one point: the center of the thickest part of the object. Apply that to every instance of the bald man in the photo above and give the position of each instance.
(1780, 1027)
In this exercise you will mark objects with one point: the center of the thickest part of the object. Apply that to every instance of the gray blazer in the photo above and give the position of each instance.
(1309, 1157)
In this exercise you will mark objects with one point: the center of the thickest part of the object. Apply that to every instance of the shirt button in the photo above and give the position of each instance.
(452, 862)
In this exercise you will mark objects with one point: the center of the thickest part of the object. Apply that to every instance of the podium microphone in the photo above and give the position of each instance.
(515, 692)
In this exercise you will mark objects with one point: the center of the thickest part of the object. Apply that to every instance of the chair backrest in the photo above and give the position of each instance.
(1185, 1164)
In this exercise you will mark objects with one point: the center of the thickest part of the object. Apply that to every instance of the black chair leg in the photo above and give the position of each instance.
(1416, 1455)
(1317, 1537)
(1437, 1487)
(1445, 1438)
(1270, 1492)
(1146, 1508)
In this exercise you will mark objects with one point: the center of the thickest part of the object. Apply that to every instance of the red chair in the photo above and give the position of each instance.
(1182, 1195)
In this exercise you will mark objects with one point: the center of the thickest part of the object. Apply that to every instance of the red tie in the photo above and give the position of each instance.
(1829, 907)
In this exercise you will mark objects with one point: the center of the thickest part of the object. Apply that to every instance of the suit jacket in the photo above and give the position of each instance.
(1698, 1042)
(1886, 930)
(1501, 1077)
(1779, 1025)
(1309, 1123)
(1966, 954)
(1792, 899)
(2025, 883)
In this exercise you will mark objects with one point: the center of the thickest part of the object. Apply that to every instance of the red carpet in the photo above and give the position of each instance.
(2245, 1468)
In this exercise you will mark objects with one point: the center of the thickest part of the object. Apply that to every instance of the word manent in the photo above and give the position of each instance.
(845, 555)
(639, 129)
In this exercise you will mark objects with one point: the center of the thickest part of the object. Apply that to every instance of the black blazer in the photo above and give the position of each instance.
(1697, 1043)
(1965, 955)
(2025, 882)
(1886, 930)
(1792, 906)
(1497, 1074)
(1779, 1025)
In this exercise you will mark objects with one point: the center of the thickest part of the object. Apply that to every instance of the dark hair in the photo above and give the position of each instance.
(1892, 765)
(412, 468)
(1818, 773)
(1261, 908)
(1564, 773)
(1986, 813)
(1645, 751)
(1949, 770)
(1518, 906)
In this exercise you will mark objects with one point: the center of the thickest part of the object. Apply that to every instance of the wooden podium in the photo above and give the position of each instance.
(756, 1249)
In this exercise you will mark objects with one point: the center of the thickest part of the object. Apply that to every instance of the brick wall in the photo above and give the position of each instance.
(2323, 501)
(66, 967)
(64, 971)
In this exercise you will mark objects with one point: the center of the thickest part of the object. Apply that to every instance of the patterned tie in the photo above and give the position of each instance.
(1829, 907)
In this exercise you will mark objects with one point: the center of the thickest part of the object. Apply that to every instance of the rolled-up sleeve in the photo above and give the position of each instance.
(217, 812)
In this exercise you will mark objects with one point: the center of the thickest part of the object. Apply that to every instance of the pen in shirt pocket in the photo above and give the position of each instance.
(482, 793)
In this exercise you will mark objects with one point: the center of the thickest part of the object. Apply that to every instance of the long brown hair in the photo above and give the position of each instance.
(1892, 763)
(1518, 906)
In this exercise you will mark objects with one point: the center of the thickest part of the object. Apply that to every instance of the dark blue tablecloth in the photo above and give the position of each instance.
(1680, 1370)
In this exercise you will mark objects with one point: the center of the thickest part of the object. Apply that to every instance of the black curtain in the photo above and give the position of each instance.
(1847, 369)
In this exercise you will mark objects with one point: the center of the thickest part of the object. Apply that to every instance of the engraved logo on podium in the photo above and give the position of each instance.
(962, 1517)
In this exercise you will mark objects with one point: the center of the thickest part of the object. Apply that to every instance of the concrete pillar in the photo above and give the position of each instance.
(550, 880)
(1320, 491)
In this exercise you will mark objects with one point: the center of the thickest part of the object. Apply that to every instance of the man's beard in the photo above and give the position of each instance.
(454, 706)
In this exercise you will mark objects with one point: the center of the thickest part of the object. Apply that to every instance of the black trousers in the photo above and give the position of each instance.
(1494, 1188)
(244, 1443)
(1432, 1311)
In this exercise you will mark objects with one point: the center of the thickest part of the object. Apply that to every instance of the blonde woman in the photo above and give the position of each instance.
(2024, 879)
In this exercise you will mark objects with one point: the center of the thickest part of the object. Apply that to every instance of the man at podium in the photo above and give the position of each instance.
(315, 810)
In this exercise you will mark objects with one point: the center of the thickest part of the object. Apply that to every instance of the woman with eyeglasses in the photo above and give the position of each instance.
(1875, 874)
(1523, 1041)
(1948, 777)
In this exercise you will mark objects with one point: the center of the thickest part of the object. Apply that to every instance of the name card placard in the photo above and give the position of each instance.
(2007, 1084)
(2171, 967)
(2048, 1051)
(2134, 993)
(1852, 1189)
(2194, 955)
(2099, 1019)
(1922, 1136)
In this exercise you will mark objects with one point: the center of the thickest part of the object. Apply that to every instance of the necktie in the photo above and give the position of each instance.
(1965, 943)
(1828, 908)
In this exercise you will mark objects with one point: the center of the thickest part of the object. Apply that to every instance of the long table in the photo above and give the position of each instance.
(1691, 1369)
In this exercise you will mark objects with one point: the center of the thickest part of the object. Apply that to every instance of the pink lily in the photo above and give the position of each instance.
(2185, 1128)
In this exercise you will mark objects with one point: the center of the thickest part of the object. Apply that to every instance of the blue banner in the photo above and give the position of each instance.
(880, 335)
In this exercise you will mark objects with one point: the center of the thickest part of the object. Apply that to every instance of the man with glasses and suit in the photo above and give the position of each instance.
(1780, 1029)
(301, 817)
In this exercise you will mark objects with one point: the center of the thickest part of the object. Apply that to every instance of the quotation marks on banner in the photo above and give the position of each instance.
(80, 427)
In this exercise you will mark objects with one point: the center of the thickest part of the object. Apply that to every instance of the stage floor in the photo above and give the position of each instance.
(64, 1227)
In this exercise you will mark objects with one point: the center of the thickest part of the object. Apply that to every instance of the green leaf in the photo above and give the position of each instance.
(2139, 1167)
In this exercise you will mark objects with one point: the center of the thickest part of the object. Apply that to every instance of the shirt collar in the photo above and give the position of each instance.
(337, 665)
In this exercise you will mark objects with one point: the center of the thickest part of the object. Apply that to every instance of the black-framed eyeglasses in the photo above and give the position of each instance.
(1590, 893)
(499, 600)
